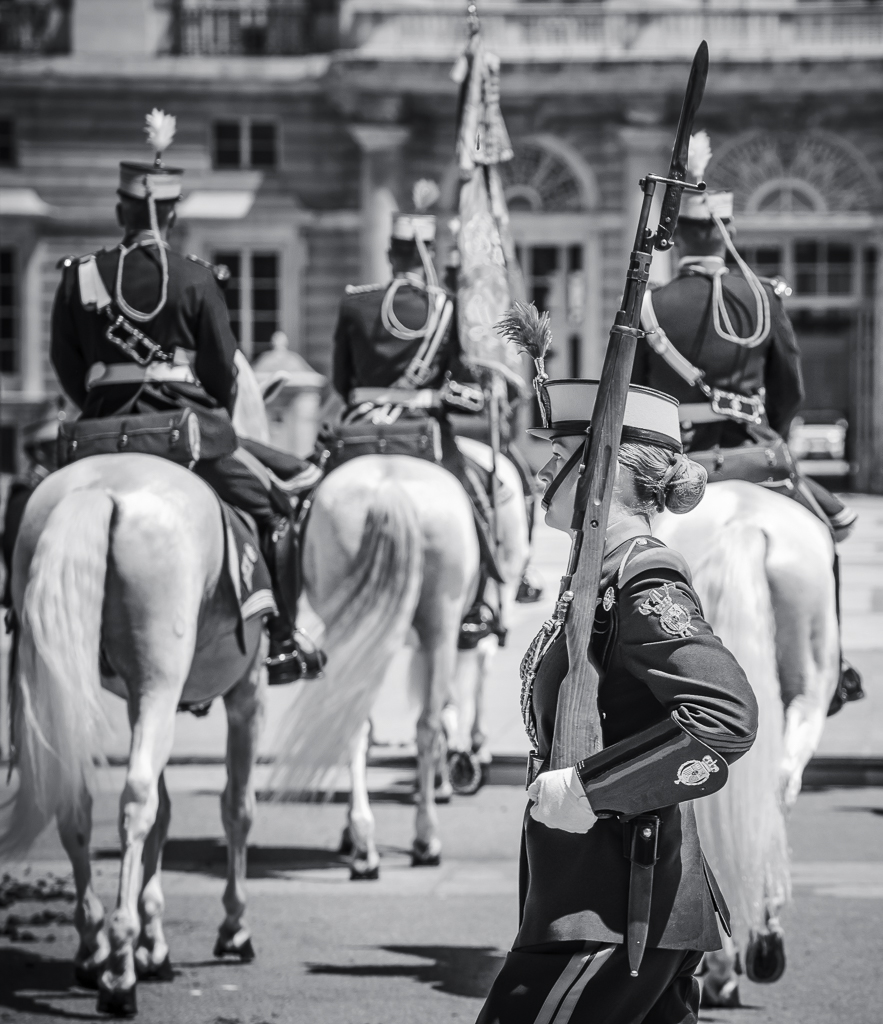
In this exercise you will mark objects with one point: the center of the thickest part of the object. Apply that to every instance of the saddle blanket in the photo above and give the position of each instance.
(246, 567)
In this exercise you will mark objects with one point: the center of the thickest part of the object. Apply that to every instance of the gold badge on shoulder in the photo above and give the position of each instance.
(609, 599)
(674, 618)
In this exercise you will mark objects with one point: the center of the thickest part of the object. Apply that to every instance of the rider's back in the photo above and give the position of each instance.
(366, 354)
(684, 311)
(194, 318)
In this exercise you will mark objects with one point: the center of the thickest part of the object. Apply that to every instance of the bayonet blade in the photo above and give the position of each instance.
(668, 217)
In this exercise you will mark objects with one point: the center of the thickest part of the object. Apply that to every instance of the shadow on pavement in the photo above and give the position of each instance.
(209, 856)
(455, 970)
(26, 977)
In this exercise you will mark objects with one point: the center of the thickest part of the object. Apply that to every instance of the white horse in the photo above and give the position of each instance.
(391, 548)
(763, 568)
(118, 581)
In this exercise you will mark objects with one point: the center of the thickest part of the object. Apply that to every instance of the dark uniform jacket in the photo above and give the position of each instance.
(684, 311)
(366, 355)
(194, 318)
(575, 887)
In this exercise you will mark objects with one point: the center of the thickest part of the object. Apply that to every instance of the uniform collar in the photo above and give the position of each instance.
(415, 278)
(708, 263)
(625, 530)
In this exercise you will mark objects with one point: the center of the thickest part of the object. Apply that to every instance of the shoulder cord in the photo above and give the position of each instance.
(722, 322)
(124, 306)
(387, 314)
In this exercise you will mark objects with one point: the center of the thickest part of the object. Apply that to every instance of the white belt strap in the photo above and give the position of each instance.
(661, 344)
(93, 294)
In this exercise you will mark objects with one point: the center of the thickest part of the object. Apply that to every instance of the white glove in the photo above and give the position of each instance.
(561, 802)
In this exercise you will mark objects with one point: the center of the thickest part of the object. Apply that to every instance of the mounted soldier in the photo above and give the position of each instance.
(720, 341)
(139, 329)
(397, 358)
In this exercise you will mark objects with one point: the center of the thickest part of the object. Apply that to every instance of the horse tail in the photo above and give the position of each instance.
(58, 718)
(742, 827)
(366, 625)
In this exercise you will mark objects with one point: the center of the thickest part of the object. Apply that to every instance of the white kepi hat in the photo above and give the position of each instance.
(651, 417)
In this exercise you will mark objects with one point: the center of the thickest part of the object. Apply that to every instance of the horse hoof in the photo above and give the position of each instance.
(346, 842)
(466, 774)
(724, 996)
(443, 792)
(235, 945)
(423, 857)
(366, 874)
(765, 958)
(117, 1002)
(87, 975)
(147, 971)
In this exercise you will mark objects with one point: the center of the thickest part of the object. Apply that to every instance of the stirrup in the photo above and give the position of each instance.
(480, 621)
(289, 660)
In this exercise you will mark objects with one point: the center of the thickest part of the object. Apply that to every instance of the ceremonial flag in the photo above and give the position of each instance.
(489, 278)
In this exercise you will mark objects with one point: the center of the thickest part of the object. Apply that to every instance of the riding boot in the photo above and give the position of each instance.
(849, 685)
(292, 654)
(481, 620)
(840, 517)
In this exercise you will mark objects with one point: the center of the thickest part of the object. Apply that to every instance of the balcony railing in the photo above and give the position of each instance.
(242, 29)
(38, 26)
(581, 31)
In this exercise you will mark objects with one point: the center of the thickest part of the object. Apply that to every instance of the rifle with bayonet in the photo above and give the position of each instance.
(577, 725)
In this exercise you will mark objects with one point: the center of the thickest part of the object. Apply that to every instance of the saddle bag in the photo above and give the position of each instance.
(417, 436)
(174, 434)
(768, 463)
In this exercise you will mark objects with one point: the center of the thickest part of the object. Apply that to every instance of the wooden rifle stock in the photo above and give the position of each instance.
(577, 721)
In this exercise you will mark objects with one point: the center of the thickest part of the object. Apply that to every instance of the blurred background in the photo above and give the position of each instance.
(303, 123)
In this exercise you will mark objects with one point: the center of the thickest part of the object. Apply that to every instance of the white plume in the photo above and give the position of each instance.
(698, 155)
(160, 130)
(425, 194)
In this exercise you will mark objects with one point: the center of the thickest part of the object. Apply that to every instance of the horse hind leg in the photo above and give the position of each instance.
(75, 831)
(244, 704)
(153, 727)
(362, 852)
(152, 962)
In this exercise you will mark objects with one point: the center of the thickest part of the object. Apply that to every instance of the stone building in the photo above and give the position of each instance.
(303, 123)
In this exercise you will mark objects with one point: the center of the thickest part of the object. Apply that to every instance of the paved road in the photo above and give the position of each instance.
(420, 945)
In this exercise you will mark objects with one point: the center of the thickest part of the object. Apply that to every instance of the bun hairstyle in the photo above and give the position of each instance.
(663, 480)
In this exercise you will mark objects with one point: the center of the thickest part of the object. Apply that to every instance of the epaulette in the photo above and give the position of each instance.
(220, 270)
(653, 555)
(70, 261)
(363, 289)
(779, 285)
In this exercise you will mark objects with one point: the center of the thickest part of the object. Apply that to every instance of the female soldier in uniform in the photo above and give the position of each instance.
(617, 902)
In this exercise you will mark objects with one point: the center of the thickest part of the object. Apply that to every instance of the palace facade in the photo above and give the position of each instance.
(302, 125)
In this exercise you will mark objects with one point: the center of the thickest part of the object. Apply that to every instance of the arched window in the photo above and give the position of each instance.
(795, 172)
(547, 176)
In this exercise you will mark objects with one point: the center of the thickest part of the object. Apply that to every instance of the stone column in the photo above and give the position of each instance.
(647, 148)
(381, 161)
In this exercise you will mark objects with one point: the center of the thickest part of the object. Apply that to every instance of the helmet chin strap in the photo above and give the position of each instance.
(575, 460)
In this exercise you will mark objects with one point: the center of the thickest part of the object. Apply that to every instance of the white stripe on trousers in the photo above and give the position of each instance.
(561, 1001)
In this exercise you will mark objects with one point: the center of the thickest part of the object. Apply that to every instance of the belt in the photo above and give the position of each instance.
(640, 841)
(105, 374)
(723, 405)
(424, 398)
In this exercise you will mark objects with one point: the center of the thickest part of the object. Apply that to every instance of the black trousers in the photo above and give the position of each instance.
(237, 485)
(590, 983)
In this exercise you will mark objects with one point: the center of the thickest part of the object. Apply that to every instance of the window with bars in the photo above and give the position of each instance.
(243, 143)
(253, 297)
(9, 353)
(815, 268)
